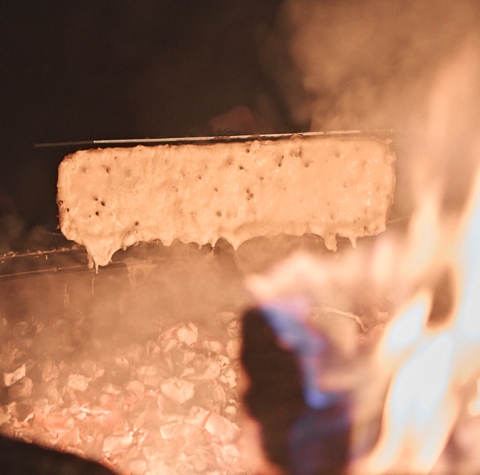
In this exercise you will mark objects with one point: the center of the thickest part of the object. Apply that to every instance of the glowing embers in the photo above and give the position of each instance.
(164, 402)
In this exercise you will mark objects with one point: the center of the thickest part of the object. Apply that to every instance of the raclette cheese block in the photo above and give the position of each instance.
(112, 198)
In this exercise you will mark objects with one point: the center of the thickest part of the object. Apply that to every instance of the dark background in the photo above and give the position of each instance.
(110, 69)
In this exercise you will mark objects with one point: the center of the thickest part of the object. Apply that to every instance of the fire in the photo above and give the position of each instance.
(433, 366)
(429, 369)
(421, 406)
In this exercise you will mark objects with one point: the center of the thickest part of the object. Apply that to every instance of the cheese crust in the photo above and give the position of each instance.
(111, 198)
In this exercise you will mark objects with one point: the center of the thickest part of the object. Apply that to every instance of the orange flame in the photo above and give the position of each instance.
(432, 366)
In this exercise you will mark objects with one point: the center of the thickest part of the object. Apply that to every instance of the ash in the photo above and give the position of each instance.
(166, 403)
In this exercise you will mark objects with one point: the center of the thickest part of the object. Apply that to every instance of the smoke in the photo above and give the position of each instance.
(448, 156)
(363, 65)
(372, 65)
(15, 234)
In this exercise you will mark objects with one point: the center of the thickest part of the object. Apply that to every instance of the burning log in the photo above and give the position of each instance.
(304, 430)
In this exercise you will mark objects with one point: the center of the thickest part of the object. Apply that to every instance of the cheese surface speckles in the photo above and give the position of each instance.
(111, 198)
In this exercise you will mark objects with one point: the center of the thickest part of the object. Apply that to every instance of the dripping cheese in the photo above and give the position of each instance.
(111, 198)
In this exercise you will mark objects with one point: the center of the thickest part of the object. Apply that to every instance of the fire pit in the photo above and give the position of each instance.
(137, 365)
(121, 366)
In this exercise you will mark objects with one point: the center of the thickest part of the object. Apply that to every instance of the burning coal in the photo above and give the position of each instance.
(164, 401)
(133, 367)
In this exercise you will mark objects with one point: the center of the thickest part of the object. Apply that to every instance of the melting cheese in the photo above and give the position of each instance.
(111, 198)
